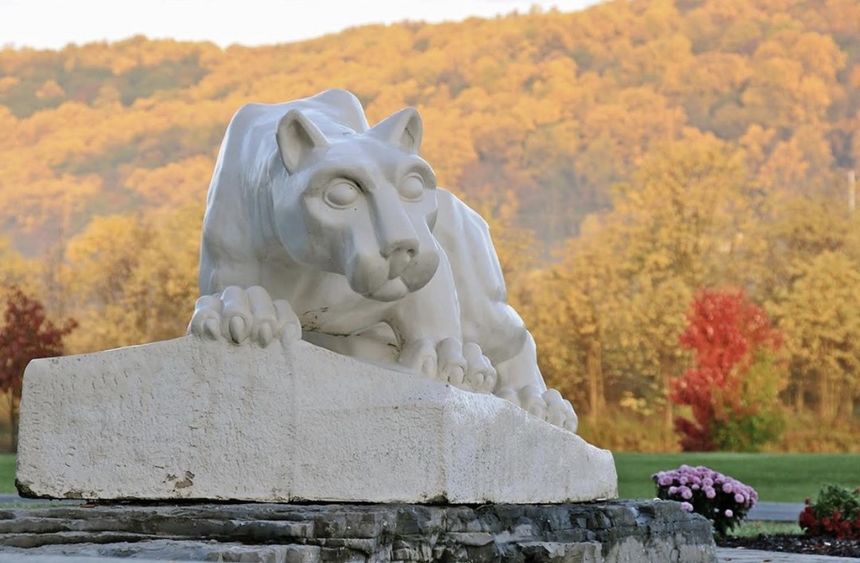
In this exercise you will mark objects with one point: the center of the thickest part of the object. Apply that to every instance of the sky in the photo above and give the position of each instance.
(53, 24)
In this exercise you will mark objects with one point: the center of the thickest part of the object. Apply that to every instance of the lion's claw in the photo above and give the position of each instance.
(241, 316)
(547, 405)
(450, 361)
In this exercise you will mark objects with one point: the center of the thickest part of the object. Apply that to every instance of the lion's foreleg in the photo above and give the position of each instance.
(428, 329)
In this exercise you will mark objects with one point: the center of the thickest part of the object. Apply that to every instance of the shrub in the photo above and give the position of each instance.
(719, 498)
(836, 513)
(805, 433)
(734, 385)
(625, 431)
(26, 334)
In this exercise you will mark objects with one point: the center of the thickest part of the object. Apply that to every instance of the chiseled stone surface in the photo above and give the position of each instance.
(191, 419)
(615, 531)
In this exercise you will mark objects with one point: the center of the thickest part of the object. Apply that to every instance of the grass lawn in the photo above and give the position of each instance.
(776, 477)
(756, 528)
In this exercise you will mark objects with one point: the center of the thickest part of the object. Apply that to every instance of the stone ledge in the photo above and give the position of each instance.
(617, 531)
(188, 419)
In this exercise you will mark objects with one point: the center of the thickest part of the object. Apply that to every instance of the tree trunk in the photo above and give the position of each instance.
(594, 369)
(846, 403)
(669, 412)
(825, 398)
(15, 418)
(799, 399)
(13, 421)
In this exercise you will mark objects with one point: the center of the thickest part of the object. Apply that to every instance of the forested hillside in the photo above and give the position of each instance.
(627, 157)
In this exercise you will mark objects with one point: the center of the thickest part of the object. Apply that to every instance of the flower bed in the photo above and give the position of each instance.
(719, 498)
(790, 543)
(835, 513)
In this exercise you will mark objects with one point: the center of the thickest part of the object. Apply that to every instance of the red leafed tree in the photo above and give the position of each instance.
(26, 334)
(733, 386)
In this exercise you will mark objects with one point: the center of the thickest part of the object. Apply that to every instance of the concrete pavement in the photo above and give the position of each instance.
(740, 555)
(776, 511)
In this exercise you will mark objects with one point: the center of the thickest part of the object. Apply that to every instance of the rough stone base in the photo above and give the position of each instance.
(628, 531)
(188, 419)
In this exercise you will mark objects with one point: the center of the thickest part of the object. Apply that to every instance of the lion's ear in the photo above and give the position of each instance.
(297, 136)
(403, 129)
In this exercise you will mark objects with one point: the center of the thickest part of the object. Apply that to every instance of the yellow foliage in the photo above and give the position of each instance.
(177, 184)
(624, 156)
(50, 89)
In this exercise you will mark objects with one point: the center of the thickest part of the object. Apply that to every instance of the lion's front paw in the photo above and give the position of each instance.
(451, 361)
(548, 405)
(242, 316)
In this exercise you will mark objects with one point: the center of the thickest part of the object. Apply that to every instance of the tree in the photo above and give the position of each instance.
(733, 387)
(26, 334)
(572, 308)
(15, 270)
(677, 226)
(134, 279)
(650, 148)
(820, 315)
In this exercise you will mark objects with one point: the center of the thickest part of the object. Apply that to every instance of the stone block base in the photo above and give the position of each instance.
(617, 531)
(188, 419)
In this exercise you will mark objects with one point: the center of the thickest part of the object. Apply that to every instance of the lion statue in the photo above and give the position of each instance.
(320, 227)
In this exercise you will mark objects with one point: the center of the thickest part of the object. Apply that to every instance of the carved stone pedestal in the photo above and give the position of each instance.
(615, 531)
(189, 419)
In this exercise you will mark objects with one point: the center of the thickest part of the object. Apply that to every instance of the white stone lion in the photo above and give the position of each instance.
(320, 227)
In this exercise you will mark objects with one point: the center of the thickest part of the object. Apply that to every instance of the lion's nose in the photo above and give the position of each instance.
(408, 246)
(399, 260)
(398, 241)
(397, 236)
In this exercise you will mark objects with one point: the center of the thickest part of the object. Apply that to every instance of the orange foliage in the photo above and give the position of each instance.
(595, 132)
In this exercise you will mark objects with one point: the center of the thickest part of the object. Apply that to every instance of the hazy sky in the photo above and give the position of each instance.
(54, 23)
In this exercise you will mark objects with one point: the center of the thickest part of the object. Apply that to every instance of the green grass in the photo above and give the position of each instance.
(7, 473)
(756, 528)
(776, 477)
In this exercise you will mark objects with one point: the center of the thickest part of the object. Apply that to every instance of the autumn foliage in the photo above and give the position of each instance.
(626, 156)
(732, 387)
(26, 334)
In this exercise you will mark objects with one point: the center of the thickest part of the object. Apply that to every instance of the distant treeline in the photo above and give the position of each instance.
(627, 157)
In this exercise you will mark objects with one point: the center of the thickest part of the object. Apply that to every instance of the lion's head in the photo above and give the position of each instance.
(358, 203)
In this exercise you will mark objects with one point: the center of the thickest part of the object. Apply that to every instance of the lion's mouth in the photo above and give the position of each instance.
(386, 281)
(391, 290)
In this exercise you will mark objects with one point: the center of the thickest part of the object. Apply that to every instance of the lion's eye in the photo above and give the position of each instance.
(412, 187)
(341, 193)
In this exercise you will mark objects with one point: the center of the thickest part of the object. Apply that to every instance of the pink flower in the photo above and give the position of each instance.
(727, 488)
(686, 493)
(673, 490)
(687, 507)
(710, 492)
(739, 498)
(729, 513)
